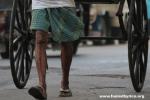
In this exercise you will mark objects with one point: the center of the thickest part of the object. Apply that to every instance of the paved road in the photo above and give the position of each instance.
(101, 70)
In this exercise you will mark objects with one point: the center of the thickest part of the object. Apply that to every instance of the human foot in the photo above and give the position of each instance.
(38, 92)
(65, 93)
(64, 90)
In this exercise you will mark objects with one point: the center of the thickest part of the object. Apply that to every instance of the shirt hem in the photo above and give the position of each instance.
(34, 8)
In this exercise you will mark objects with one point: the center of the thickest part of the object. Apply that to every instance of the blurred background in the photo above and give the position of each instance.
(102, 22)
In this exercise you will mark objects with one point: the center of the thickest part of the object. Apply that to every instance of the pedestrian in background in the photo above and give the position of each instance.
(148, 11)
(59, 15)
(148, 8)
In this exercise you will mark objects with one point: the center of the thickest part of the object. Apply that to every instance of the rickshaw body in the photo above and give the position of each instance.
(5, 10)
(135, 30)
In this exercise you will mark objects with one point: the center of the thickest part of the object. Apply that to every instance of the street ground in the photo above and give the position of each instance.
(95, 71)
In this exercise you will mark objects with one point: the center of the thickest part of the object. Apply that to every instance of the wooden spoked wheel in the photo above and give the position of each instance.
(137, 30)
(21, 42)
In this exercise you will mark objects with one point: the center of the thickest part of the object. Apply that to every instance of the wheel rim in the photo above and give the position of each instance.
(21, 43)
(137, 43)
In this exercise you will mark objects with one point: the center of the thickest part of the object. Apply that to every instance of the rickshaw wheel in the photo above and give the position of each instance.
(21, 42)
(137, 30)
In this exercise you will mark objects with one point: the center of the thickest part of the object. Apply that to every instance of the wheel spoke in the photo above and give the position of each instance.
(135, 48)
(18, 52)
(17, 58)
(135, 19)
(19, 30)
(22, 14)
(20, 67)
(142, 69)
(136, 70)
(143, 63)
(134, 56)
(140, 16)
(28, 11)
(17, 40)
(21, 71)
(28, 59)
(18, 23)
(28, 56)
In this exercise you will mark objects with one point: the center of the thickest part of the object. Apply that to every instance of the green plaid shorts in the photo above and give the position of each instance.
(63, 22)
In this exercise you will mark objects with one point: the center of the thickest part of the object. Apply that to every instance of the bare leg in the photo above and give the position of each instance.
(66, 59)
(41, 58)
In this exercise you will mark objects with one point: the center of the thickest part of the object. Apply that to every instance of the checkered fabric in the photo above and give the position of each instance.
(65, 25)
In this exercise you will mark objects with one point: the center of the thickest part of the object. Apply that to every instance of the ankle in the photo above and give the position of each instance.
(65, 84)
(43, 86)
(44, 90)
